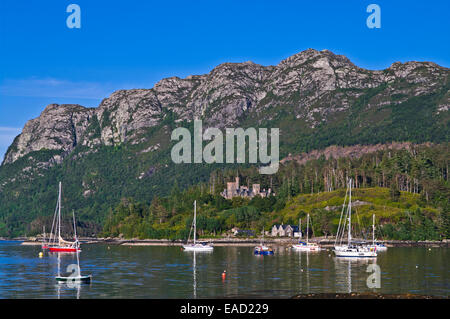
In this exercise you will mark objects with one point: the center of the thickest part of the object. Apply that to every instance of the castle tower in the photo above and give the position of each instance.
(256, 188)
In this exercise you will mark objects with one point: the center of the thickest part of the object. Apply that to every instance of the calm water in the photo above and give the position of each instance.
(168, 272)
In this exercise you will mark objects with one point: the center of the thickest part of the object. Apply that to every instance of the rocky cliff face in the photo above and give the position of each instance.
(59, 127)
(315, 85)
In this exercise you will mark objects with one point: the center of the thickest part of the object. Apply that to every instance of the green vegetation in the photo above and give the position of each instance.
(402, 188)
(100, 183)
(408, 218)
(404, 209)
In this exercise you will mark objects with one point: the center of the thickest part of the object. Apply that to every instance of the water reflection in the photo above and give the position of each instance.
(345, 267)
(69, 286)
(305, 270)
(167, 272)
(194, 269)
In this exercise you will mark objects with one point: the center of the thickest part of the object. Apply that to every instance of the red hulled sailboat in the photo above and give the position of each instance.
(55, 242)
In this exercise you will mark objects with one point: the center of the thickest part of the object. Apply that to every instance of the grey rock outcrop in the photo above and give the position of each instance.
(59, 127)
(314, 84)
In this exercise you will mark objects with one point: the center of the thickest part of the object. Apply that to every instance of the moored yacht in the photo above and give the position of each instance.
(262, 249)
(55, 242)
(378, 246)
(197, 246)
(351, 249)
(302, 246)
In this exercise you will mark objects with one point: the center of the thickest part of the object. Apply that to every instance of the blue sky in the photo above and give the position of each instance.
(133, 44)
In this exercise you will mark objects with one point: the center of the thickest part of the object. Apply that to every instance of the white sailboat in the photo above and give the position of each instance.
(351, 249)
(197, 246)
(378, 246)
(302, 246)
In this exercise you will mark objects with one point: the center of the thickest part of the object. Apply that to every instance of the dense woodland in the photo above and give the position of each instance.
(407, 190)
(156, 207)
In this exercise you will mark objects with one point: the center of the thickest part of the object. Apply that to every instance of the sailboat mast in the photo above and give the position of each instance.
(59, 214)
(195, 220)
(373, 229)
(307, 229)
(350, 214)
(300, 228)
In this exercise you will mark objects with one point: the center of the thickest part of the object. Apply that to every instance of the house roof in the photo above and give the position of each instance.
(284, 226)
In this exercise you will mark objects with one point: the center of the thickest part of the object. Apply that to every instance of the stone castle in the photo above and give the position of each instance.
(235, 190)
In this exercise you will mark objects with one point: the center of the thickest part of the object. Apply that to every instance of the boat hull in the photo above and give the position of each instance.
(63, 249)
(198, 248)
(379, 248)
(263, 253)
(356, 253)
(83, 279)
(306, 248)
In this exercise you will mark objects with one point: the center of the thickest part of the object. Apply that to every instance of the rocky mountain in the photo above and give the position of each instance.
(316, 98)
(314, 85)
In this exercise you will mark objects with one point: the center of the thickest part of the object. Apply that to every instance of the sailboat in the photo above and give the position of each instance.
(302, 246)
(196, 246)
(351, 249)
(55, 242)
(262, 249)
(378, 246)
(77, 278)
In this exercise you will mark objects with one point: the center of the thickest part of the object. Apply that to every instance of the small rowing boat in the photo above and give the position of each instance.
(76, 276)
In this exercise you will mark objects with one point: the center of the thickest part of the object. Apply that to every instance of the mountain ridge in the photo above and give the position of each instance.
(222, 97)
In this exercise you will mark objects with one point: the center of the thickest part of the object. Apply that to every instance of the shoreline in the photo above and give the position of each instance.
(324, 242)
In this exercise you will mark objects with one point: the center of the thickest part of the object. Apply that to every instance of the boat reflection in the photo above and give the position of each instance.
(344, 267)
(304, 269)
(68, 285)
(194, 270)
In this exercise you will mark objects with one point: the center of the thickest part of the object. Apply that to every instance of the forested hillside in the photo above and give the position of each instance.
(407, 190)
(317, 99)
